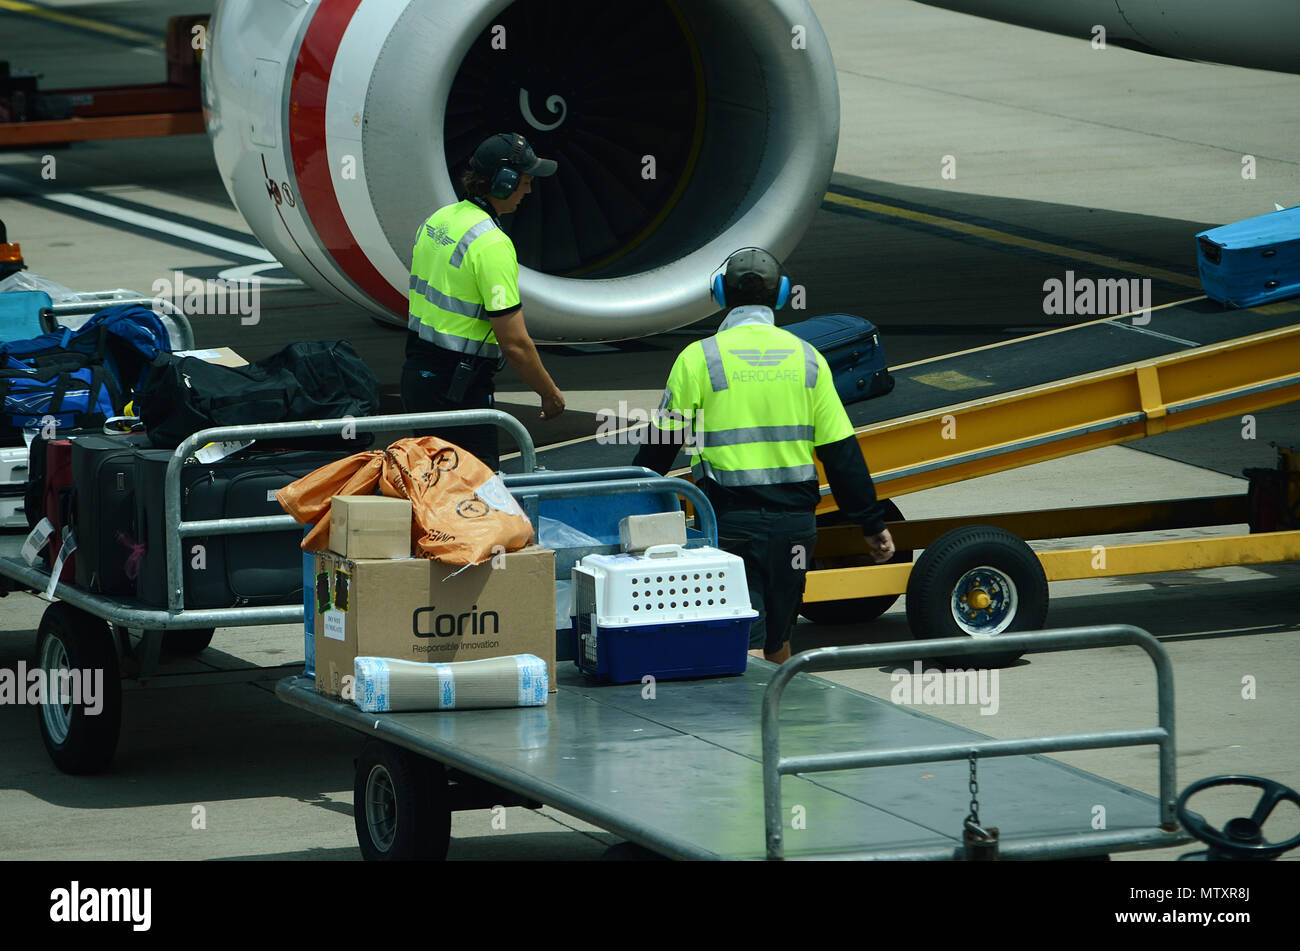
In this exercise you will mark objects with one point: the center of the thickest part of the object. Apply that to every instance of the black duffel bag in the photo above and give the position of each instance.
(315, 379)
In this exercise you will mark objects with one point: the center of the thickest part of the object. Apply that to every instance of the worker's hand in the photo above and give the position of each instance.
(553, 405)
(882, 547)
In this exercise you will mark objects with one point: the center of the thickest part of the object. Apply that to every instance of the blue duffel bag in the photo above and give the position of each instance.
(79, 377)
(32, 397)
(852, 348)
(1253, 261)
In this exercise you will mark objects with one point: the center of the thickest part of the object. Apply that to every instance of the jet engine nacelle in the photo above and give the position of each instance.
(1261, 34)
(683, 131)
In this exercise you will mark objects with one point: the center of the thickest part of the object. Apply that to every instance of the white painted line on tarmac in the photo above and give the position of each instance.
(140, 220)
(1153, 333)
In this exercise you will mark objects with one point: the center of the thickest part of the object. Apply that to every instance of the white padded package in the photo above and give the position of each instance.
(385, 685)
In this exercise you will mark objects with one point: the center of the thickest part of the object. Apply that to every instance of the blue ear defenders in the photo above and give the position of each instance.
(720, 289)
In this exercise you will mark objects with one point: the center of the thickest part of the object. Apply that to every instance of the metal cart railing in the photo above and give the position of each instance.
(1162, 833)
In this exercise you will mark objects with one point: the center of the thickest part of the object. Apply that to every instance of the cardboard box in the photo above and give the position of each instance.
(221, 356)
(370, 526)
(403, 608)
(639, 532)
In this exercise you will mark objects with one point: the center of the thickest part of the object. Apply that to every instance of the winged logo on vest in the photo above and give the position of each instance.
(762, 358)
(439, 234)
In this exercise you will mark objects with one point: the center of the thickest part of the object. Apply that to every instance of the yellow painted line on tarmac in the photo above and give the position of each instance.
(85, 23)
(1004, 237)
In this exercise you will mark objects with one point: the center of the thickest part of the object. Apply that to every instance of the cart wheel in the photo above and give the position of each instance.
(187, 643)
(400, 805)
(854, 610)
(70, 639)
(977, 581)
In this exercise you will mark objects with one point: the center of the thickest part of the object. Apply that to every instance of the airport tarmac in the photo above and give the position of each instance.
(1105, 162)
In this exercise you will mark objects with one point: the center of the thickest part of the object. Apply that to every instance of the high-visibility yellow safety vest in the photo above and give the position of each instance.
(757, 400)
(462, 266)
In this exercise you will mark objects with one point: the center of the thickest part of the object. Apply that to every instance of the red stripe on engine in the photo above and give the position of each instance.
(307, 150)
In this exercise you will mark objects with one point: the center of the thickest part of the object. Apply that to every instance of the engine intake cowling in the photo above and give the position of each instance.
(683, 131)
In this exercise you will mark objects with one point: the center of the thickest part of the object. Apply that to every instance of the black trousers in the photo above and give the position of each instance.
(424, 390)
(776, 547)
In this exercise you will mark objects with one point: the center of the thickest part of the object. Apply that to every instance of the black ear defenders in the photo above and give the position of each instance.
(506, 178)
(745, 265)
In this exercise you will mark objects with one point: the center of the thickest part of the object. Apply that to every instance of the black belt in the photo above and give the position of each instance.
(440, 358)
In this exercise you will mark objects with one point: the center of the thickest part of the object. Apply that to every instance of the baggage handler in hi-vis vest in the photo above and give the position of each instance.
(757, 401)
(466, 320)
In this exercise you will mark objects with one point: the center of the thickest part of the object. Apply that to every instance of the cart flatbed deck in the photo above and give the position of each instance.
(682, 774)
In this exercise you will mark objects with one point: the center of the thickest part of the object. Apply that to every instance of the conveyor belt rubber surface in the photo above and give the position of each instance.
(1015, 365)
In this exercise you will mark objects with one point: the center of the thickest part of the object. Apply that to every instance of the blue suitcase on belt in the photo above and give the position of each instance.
(1253, 261)
(851, 345)
(20, 314)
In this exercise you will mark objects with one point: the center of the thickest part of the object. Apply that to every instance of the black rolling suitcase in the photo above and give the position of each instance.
(222, 571)
(851, 346)
(104, 511)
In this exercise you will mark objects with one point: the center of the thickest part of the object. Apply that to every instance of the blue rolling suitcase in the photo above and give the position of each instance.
(851, 345)
(1253, 261)
(20, 314)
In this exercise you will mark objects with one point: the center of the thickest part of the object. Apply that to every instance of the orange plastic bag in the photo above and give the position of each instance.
(461, 511)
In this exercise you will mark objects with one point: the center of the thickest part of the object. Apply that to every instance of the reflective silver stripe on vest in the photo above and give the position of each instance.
(747, 434)
(810, 366)
(489, 351)
(468, 238)
(735, 477)
(713, 360)
(438, 299)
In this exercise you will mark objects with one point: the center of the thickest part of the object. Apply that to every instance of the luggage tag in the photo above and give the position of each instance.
(334, 616)
(216, 451)
(36, 541)
(65, 552)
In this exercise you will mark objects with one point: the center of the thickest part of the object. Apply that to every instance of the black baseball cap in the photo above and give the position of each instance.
(511, 150)
(753, 273)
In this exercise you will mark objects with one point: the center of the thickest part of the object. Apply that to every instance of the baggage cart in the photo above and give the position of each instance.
(699, 769)
(84, 631)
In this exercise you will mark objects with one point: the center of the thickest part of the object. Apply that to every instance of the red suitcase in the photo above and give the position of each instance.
(58, 502)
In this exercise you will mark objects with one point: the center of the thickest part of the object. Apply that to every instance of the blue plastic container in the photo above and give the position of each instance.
(625, 655)
(670, 613)
(309, 610)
